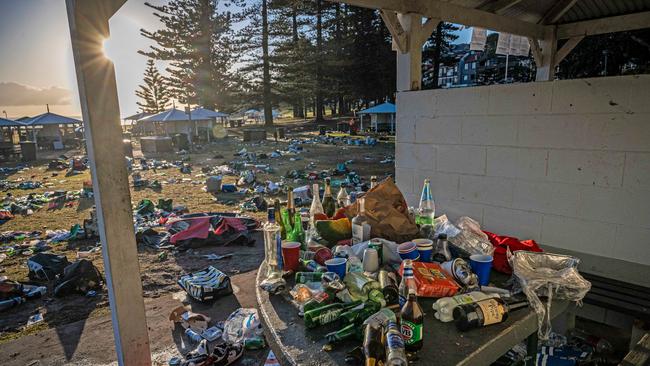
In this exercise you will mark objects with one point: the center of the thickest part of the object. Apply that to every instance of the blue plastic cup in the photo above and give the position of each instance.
(337, 265)
(481, 264)
(408, 250)
(425, 248)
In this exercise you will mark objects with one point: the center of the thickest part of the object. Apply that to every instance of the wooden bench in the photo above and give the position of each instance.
(626, 298)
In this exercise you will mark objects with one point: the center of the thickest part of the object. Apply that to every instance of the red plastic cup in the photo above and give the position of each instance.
(291, 255)
(322, 255)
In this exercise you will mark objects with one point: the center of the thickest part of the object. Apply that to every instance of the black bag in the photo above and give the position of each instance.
(79, 277)
(45, 267)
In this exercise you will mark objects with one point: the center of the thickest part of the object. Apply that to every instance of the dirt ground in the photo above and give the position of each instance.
(159, 276)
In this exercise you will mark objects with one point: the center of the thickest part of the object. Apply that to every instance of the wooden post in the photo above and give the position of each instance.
(548, 50)
(409, 64)
(88, 20)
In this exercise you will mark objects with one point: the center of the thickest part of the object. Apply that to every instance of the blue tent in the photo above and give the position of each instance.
(49, 118)
(9, 123)
(382, 114)
(384, 108)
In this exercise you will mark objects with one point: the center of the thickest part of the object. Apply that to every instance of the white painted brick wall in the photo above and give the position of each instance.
(566, 163)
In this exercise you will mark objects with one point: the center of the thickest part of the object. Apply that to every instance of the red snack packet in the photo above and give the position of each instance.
(431, 280)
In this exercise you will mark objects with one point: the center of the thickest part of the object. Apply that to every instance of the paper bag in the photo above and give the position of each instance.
(387, 213)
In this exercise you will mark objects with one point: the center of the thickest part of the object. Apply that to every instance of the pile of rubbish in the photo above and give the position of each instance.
(366, 261)
(49, 270)
(221, 343)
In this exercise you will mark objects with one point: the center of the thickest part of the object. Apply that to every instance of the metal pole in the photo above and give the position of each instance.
(505, 79)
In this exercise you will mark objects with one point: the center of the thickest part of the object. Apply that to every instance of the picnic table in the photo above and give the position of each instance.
(444, 345)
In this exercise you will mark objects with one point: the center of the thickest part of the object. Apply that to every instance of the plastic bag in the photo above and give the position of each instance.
(470, 238)
(547, 275)
(242, 324)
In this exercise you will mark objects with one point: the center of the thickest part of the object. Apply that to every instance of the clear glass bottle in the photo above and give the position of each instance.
(395, 352)
(342, 198)
(408, 282)
(373, 181)
(360, 225)
(442, 253)
(316, 205)
(427, 208)
(272, 252)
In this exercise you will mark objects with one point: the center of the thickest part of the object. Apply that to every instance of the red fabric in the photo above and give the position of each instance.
(199, 228)
(230, 222)
(502, 243)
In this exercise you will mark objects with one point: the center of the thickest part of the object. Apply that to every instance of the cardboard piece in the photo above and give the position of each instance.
(387, 213)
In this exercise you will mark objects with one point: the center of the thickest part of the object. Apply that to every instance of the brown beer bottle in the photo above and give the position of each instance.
(373, 348)
(411, 323)
(483, 313)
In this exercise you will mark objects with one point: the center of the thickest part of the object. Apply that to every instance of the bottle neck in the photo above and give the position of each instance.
(517, 305)
(290, 203)
(362, 206)
(328, 190)
(316, 192)
(426, 191)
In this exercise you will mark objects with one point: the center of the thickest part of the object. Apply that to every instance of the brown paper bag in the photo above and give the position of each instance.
(387, 213)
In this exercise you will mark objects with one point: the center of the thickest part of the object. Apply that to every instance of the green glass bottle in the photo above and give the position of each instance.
(327, 314)
(286, 222)
(297, 232)
(324, 298)
(360, 313)
(304, 277)
(329, 204)
(347, 332)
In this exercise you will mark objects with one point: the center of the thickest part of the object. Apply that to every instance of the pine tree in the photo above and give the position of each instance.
(154, 91)
(197, 41)
(436, 48)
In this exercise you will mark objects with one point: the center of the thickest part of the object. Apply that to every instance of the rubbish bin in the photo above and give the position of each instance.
(128, 147)
(280, 131)
(28, 150)
(233, 124)
(322, 129)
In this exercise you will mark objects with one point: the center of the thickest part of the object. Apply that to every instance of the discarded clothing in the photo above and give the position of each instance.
(502, 244)
(208, 284)
(197, 230)
(79, 277)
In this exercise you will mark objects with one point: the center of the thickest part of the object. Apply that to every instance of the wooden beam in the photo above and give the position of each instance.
(498, 6)
(614, 24)
(563, 52)
(449, 12)
(548, 50)
(409, 64)
(535, 50)
(427, 28)
(88, 20)
(556, 11)
(395, 28)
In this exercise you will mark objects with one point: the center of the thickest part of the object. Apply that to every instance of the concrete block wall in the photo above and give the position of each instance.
(566, 163)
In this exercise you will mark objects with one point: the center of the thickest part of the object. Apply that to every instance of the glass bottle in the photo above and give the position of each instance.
(291, 206)
(297, 232)
(396, 354)
(373, 348)
(360, 226)
(427, 208)
(329, 205)
(360, 287)
(278, 218)
(411, 323)
(349, 331)
(360, 313)
(373, 181)
(442, 253)
(327, 314)
(316, 205)
(388, 284)
(342, 198)
(408, 282)
(484, 312)
(272, 250)
(311, 266)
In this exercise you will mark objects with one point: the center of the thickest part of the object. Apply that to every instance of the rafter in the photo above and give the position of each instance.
(557, 11)
(614, 24)
(498, 6)
(568, 46)
(449, 12)
(395, 28)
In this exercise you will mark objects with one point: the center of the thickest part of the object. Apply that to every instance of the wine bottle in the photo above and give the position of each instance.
(329, 205)
(360, 225)
(483, 313)
(327, 314)
(389, 288)
(291, 206)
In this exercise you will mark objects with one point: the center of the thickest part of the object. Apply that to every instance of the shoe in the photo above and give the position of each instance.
(226, 354)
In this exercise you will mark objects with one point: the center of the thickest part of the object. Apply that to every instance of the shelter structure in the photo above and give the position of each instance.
(487, 169)
(51, 129)
(175, 121)
(382, 117)
(10, 130)
(132, 121)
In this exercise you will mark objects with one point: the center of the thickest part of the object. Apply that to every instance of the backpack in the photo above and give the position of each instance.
(80, 277)
(45, 267)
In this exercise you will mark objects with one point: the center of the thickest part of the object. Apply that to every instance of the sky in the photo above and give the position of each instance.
(37, 68)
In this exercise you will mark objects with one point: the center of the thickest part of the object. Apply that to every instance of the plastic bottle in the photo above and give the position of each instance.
(444, 307)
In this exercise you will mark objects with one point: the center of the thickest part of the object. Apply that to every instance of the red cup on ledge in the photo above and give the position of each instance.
(322, 255)
(291, 255)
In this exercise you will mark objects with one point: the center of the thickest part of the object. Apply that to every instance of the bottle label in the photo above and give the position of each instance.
(328, 316)
(492, 311)
(463, 299)
(394, 341)
(402, 300)
(411, 332)
(360, 233)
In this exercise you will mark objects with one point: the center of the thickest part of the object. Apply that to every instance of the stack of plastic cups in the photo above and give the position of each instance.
(408, 250)
(425, 248)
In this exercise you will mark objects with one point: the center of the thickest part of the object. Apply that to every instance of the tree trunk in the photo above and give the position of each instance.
(268, 108)
(436, 55)
(298, 110)
(319, 64)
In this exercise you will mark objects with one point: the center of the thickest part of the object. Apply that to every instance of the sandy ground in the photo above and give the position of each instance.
(77, 328)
